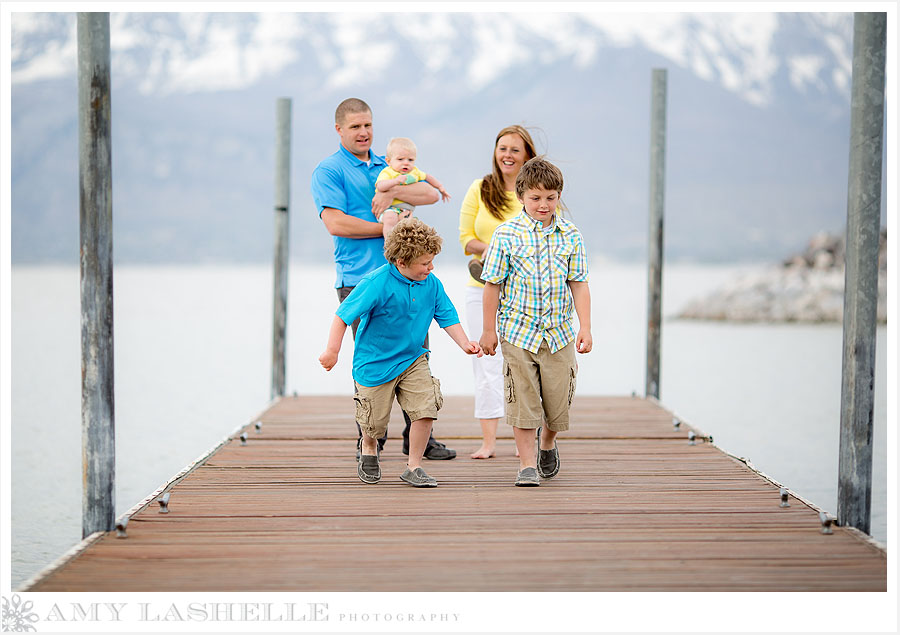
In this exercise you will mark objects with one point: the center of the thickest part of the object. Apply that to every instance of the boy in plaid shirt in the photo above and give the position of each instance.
(535, 273)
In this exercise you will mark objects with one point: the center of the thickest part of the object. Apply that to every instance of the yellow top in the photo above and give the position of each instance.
(391, 173)
(476, 222)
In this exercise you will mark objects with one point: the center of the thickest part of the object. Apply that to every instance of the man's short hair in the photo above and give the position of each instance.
(411, 239)
(349, 106)
(538, 173)
(397, 143)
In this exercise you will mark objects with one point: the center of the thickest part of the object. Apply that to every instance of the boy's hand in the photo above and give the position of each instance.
(472, 348)
(445, 196)
(328, 359)
(584, 342)
(489, 342)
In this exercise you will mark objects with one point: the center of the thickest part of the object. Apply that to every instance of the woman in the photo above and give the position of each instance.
(490, 201)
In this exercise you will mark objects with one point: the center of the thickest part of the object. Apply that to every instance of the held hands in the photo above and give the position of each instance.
(584, 342)
(489, 342)
(328, 359)
(472, 348)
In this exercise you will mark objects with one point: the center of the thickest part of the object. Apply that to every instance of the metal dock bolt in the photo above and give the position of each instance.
(826, 522)
(120, 528)
(692, 438)
(258, 426)
(164, 503)
(243, 438)
(675, 422)
(784, 497)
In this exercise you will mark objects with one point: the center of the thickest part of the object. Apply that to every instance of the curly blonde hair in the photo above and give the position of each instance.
(411, 239)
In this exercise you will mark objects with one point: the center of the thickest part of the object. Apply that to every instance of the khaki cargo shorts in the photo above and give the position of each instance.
(538, 385)
(418, 393)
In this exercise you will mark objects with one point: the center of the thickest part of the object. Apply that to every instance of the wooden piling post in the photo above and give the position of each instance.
(282, 201)
(96, 260)
(655, 256)
(861, 270)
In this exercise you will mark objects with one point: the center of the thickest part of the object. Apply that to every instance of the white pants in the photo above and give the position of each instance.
(488, 370)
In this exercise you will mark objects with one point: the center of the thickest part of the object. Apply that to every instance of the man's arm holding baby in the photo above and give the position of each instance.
(341, 224)
(415, 194)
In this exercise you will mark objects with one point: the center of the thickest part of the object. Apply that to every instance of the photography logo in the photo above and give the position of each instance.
(17, 615)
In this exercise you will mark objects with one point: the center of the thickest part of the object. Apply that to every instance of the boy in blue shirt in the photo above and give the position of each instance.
(395, 305)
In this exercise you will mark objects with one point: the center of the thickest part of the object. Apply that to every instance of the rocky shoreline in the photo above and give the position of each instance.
(807, 287)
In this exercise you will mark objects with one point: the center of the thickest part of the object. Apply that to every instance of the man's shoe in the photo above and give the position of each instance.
(548, 460)
(418, 478)
(368, 469)
(435, 450)
(527, 477)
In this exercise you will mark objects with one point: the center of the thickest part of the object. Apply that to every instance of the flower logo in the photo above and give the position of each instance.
(17, 615)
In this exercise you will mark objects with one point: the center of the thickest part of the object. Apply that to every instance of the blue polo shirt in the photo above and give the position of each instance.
(344, 182)
(395, 313)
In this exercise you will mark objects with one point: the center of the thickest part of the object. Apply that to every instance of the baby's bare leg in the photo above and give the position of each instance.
(389, 220)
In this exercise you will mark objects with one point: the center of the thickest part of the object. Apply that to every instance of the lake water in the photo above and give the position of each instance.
(192, 364)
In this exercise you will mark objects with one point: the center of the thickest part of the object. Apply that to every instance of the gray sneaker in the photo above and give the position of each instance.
(368, 469)
(527, 477)
(418, 478)
(548, 462)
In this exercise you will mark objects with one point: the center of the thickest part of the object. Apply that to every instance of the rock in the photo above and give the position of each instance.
(807, 287)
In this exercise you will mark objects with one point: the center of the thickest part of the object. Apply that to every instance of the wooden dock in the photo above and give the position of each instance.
(635, 507)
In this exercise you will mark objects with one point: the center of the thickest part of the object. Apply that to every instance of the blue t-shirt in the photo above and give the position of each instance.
(342, 181)
(395, 313)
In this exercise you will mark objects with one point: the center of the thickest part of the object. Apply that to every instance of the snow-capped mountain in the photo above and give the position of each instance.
(757, 147)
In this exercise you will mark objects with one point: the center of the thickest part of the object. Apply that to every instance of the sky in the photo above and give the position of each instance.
(271, 47)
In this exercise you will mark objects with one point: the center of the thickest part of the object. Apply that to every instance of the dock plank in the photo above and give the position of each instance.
(634, 508)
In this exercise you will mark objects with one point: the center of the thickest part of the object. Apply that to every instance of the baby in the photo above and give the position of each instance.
(402, 170)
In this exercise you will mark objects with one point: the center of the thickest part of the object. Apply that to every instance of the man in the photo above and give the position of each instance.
(343, 187)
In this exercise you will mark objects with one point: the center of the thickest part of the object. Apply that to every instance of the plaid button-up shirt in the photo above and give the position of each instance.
(532, 266)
